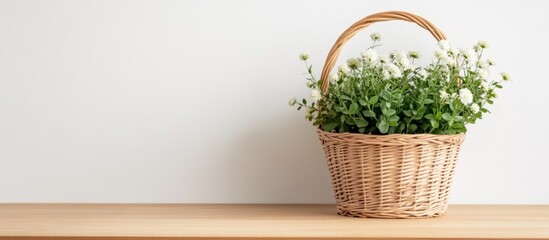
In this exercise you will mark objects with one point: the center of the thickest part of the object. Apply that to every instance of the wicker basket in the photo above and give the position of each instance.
(389, 176)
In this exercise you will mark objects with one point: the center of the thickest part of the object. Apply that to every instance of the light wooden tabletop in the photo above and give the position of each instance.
(223, 221)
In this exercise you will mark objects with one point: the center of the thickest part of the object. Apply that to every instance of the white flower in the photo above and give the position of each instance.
(315, 95)
(370, 55)
(292, 101)
(475, 108)
(412, 84)
(483, 65)
(384, 58)
(353, 63)
(423, 73)
(400, 59)
(414, 54)
(375, 37)
(444, 45)
(386, 74)
(465, 96)
(304, 56)
(443, 57)
(397, 54)
(468, 54)
(310, 83)
(483, 74)
(505, 76)
(391, 71)
(485, 85)
(491, 62)
(334, 77)
(453, 51)
(308, 114)
(403, 63)
(480, 45)
(453, 96)
(445, 69)
(447, 79)
(440, 54)
(343, 68)
(443, 95)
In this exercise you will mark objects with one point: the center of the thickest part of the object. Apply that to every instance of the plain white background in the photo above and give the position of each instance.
(186, 101)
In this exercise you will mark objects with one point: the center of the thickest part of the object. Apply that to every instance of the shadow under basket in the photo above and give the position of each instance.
(391, 176)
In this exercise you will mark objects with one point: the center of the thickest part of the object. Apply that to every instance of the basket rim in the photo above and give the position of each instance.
(389, 135)
(391, 139)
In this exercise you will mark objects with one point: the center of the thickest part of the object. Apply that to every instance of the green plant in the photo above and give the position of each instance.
(386, 94)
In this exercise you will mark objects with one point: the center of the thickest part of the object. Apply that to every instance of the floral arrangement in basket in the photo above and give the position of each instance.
(387, 94)
(392, 131)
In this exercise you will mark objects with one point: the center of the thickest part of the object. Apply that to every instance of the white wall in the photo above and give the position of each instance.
(186, 101)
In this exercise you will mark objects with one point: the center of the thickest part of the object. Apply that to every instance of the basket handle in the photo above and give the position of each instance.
(365, 22)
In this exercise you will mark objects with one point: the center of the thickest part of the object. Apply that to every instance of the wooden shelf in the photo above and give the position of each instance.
(224, 221)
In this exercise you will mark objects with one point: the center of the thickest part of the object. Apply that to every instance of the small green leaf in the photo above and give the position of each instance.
(330, 126)
(361, 123)
(368, 113)
(438, 116)
(419, 113)
(451, 131)
(458, 125)
(434, 123)
(350, 121)
(401, 127)
(447, 117)
(390, 112)
(383, 127)
(384, 94)
(316, 122)
(407, 113)
(413, 127)
(428, 101)
(393, 121)
(373, 100)
(429, 116)
(363, 103)
(353, 109)
(346, 97)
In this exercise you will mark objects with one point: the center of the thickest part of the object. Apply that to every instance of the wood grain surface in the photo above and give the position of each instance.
(257, 221)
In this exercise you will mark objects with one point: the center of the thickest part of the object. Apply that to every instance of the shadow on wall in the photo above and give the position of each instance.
(283, 163)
